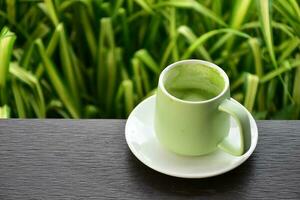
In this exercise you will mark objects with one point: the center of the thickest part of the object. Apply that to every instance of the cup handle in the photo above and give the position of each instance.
(238, 112)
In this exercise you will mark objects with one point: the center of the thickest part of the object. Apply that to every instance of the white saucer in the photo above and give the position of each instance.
(142, 141)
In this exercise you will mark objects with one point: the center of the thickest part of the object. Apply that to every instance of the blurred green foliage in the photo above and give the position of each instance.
(98, 59)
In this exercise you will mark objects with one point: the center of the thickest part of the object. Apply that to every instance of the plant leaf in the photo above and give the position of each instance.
(7, 40)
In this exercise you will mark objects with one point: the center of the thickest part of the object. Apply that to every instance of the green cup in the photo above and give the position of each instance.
(193, 109)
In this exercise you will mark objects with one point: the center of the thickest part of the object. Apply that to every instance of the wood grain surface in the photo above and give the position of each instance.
(89, 159)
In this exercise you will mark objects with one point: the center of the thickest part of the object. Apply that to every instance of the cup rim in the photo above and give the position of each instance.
(202, 62)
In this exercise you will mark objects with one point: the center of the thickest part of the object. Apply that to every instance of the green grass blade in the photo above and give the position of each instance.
(142, 32)
(265, 20)
(144, 56)
(29, 79)
(238, 82)
(128, 94)
(106, 43)
(26, 58)
(89, 34)
(4, 112)
(35, 106)
(26, 97)
(217, 7)
(137, 77)
(50, 10)
(57, 83)
(251, 90)
(22, 74)
(7, 40)
(117, 6)
(91, 111)
(238, 96)
(256, 51)
(200, 40)
(57, 106)
(111, 78)
(41, 101)
(276, 25)
(277, 72)
(137, 15)
(124, 74)
(296, 90)
(167, 53)
(290, 10)
(254, 44)
(293, 45)
(238, 16)
(125, 27)
(41, 31)
(286, 89)
(144, 4)
(19, 28)
(29, 16)
(50, 49)
(18, 100)
(78, 72)
(220, 42)
(191, 38)
(288, 14)
(173, 33)
(261, 98)
(295, 6)
(130, 5)
(145, 80)
(271, 92)
(192, 5)
(239, 13)
(11, 9)
(87, 4)
(17, 54)
(118, 101)
(67, 65)
(153, 34)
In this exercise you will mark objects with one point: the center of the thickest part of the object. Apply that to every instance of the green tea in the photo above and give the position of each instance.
(194, 82)
(191, 94)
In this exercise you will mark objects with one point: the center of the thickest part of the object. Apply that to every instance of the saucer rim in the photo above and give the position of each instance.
(198, 175)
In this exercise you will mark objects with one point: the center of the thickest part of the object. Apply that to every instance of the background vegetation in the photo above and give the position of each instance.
(99, 58)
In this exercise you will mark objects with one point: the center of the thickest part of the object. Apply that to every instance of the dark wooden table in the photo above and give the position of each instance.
(89, 159)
